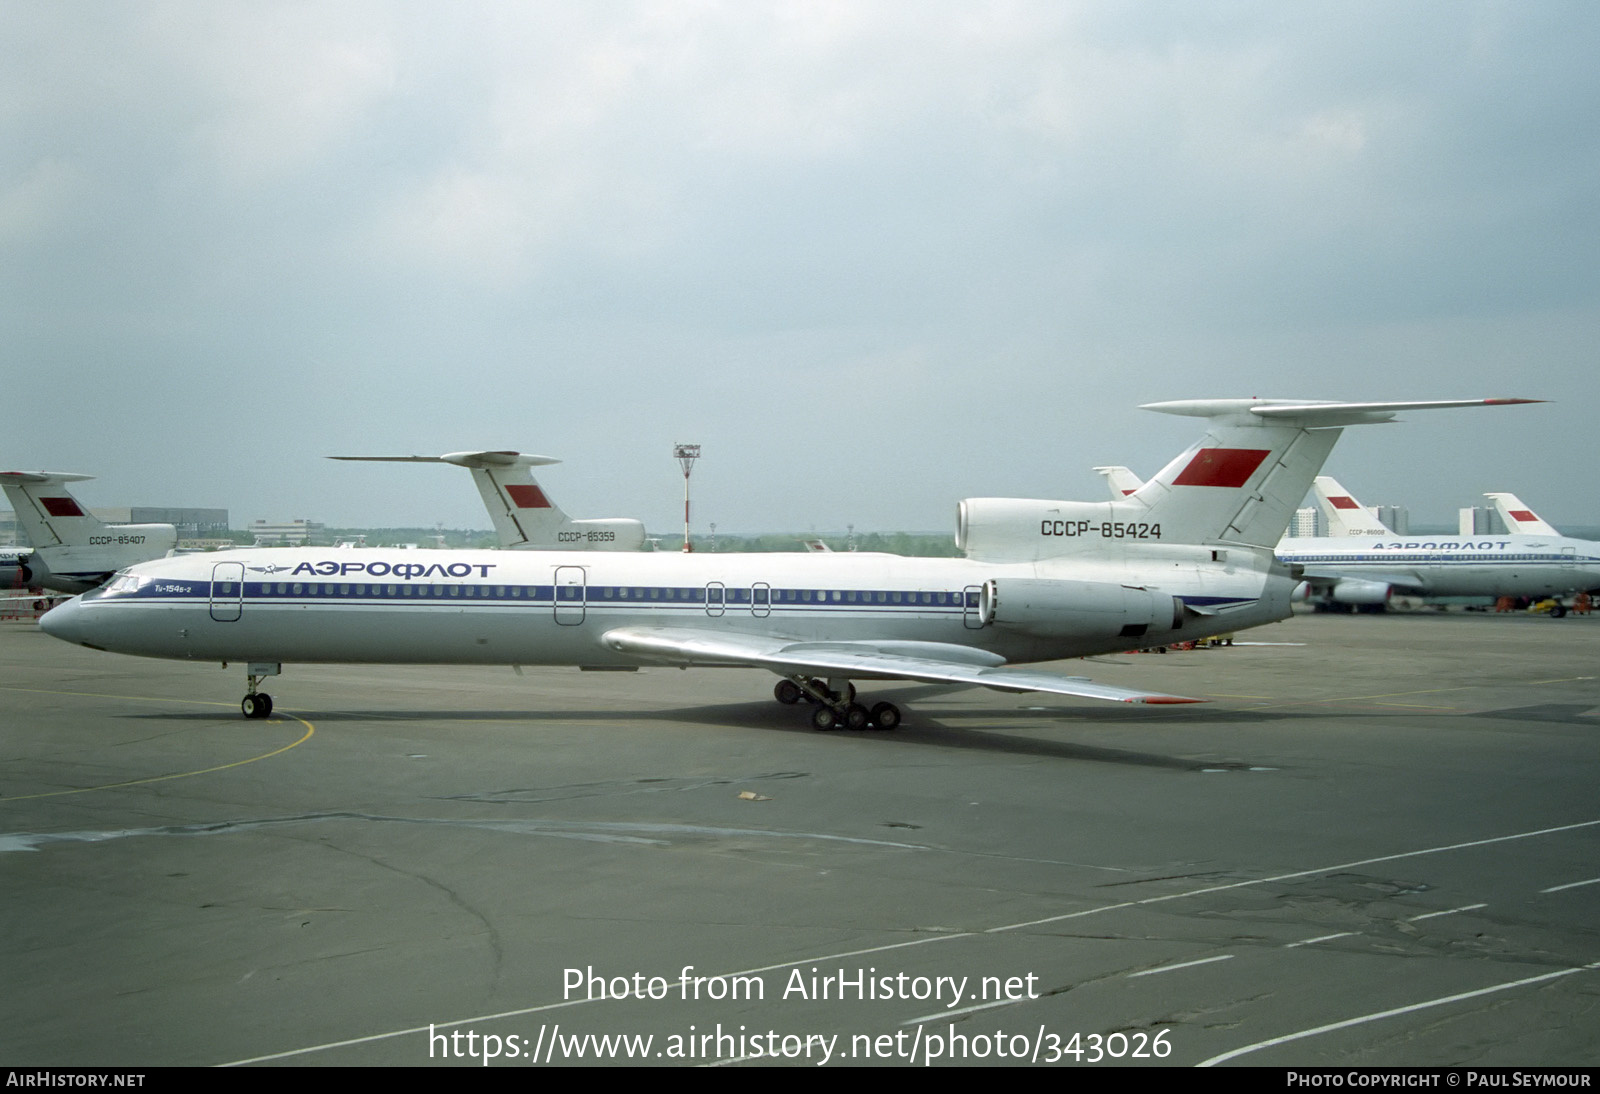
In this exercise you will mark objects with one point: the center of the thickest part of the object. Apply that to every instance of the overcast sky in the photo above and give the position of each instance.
(874, 257)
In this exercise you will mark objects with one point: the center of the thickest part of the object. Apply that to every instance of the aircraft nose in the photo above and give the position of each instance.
(64, 621)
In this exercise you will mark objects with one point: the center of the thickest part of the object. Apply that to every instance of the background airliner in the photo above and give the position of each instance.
(72, 549)
(525, 519)
(1361, 563)
(1188, 554)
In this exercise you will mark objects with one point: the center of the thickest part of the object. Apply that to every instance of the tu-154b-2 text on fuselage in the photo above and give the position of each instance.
(1187, 555)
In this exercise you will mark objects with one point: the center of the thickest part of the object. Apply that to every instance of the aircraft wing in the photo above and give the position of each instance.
(926, 662)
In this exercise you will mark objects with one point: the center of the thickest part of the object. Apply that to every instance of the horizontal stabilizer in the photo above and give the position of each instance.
(464, 459)
(20, 477)
(1312, 414)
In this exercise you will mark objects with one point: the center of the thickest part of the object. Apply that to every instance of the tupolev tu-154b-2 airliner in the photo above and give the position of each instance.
(1187, 555)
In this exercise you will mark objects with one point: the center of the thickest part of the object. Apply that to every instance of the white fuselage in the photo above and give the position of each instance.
(501, 607)
(1508, 565)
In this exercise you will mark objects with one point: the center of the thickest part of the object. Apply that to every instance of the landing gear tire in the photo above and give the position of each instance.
(856, 716)
(886, 716)
(256, 705)
(824, 719)
(787, 692)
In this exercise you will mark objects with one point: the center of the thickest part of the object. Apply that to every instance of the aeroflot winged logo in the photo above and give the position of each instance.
(1230, 467)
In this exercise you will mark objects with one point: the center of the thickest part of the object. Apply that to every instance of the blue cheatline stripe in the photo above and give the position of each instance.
(592, 596)
(653, 596)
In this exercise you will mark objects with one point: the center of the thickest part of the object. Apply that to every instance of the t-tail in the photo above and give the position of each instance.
(1120, 481)
(73, 550)
(524, 516)
(1239, 485)
(1345, 515)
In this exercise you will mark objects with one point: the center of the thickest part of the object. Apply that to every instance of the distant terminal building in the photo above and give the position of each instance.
(1396, 518)
(1308, 522)
(297, 533)
(192, 524)
(1480, 520)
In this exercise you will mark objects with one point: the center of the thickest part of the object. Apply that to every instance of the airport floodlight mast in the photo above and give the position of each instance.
(686, 454)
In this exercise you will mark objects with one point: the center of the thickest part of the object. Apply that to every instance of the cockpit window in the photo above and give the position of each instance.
(123, 583)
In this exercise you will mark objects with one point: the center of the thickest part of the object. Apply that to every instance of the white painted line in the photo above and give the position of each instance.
(1570, 885)
(1452, 911)
(1348, 1022)
(964, 1010)
(1209, 889)
(817, 959)
(1323, 938)
(1185, 965)
(430, 1027)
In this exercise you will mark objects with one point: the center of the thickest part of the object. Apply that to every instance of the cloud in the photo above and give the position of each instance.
(808, 232)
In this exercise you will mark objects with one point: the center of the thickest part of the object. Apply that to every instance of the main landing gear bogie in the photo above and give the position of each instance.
(835, 707)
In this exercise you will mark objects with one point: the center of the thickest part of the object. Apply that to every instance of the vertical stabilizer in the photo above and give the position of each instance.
(1239, 484)
(1344, 514)
(1120, 481)
(73, 549)
(46, 510)
(524, 517)
(1243, 481)
(1518, 517)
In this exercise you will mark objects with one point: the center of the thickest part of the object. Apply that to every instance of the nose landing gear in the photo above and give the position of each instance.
(258, 704)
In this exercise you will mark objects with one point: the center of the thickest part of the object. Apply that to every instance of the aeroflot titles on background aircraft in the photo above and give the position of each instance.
(72, 550)
(525, 519)
(1362, 563)
(1188, 554)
